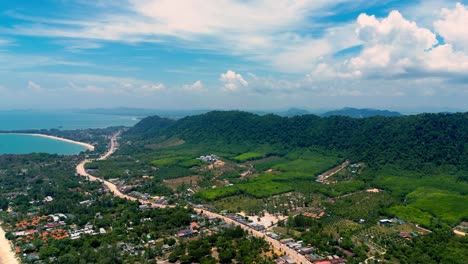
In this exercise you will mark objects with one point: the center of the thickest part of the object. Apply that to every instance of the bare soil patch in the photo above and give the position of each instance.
(188, 180)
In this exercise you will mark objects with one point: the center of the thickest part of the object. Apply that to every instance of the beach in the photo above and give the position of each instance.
(7, 255)
(86, 145)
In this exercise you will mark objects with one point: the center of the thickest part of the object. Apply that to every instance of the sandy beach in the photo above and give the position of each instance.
(86, 145)
(7, 255)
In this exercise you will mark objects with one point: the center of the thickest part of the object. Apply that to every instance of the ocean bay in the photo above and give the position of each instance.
(24, 144)
(64, 120)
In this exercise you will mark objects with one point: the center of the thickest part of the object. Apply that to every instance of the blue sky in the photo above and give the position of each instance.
(234, 54)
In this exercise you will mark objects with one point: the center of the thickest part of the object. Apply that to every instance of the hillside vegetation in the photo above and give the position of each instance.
(411, 142)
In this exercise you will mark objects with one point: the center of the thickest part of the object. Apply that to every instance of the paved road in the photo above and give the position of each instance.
(80, 169)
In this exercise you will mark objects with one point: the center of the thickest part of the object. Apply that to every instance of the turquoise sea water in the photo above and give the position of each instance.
(21, 120)
(24, 144)
(65, 120)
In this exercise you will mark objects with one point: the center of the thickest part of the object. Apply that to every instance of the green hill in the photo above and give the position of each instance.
(360, 113)
(412, 142)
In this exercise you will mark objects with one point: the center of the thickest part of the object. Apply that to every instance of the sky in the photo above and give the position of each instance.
(234, 54)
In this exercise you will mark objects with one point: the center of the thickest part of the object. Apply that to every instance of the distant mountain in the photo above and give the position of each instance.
(142, 112)
(360, 113)
(293, 112)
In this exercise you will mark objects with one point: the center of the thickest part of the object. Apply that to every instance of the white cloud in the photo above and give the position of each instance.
(150, 88)
(453, 26)
(257, 30)
(4, 42)
(391, 46)
(10, 61)
(233, 81)
(196, 86)
(394, 47)
(34, 86)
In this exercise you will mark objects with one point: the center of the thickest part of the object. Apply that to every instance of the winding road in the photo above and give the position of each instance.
(80, 169)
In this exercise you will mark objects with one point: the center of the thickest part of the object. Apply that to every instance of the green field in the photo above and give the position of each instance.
(289, 175)
(410, 213)
(450, 207)
(185, 162)
(430, 198)
(262, 186)
(249, 156)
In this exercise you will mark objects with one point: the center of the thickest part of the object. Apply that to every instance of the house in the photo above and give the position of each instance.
(294, 245)
(338, 261)
(194, 226)
(322, 262)
(286, 240)
(51, 225)
(33, 257)
(185, 233)
(313, 257)
(257, 227)
(288, 260)
(74, 236)
(385, 221)
(86, 202)
(306, 250)
(209, 158)
(346, 252)
(280, 261)
(48, 199)
(273, 235)
(404, 235)
(144, 207)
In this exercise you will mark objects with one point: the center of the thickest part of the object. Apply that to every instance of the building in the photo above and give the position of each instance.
(209, 158)
(385, 221)
(185, 233)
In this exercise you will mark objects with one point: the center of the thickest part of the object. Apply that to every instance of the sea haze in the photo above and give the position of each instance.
(25, 144)
(66, 120)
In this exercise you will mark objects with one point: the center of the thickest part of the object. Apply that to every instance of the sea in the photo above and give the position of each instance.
(64, 120)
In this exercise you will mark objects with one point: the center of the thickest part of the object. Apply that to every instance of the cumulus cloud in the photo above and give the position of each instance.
(453, 26)
(233, 81)
(34, 86)
(394, 47)
(196, 86)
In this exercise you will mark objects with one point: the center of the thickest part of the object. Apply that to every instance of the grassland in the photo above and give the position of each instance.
(249, 156)
(410, 213)
(285, 178)
(430, 199)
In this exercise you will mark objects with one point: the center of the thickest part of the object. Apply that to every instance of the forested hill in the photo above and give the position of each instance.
(360, 113)
(407, 140)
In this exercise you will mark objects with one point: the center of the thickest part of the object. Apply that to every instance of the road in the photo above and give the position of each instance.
(323, 177)
(80, 169)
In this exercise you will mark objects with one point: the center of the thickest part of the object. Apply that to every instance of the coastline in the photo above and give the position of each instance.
(7, 255)
(86, 145)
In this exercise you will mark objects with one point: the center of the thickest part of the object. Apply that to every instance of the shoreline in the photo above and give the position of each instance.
(86, 145)
(7, 255)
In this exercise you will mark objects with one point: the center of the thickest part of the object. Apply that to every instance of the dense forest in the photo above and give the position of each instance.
(412, 142)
